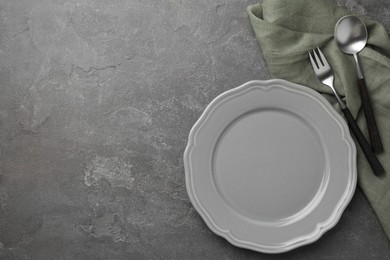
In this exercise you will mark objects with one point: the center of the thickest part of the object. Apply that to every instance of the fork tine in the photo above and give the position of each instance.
(313, 62)
(317, 58)
(324, 61)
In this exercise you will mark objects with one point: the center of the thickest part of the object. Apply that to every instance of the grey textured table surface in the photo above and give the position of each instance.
(96, 102)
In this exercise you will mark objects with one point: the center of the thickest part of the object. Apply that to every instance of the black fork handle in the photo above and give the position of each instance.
(376, 166)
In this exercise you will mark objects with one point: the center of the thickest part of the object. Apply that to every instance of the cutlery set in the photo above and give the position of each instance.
(351, 37)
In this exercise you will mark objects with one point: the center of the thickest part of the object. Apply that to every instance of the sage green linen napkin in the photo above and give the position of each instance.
(287, 30)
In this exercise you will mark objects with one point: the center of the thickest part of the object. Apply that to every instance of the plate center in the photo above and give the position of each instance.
(269, 165)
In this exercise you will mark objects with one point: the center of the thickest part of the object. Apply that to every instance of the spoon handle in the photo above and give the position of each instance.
(375, 138)
(376, 166)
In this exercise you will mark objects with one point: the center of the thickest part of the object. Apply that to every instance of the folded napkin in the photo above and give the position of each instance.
(287, 30)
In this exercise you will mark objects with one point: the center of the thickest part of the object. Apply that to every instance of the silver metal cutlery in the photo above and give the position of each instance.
(325, 74)
(351, 36)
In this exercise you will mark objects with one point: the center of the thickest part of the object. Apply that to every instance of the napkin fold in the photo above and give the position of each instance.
(287, 30)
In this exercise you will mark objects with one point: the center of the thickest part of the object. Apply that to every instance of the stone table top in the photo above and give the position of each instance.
(97, 99)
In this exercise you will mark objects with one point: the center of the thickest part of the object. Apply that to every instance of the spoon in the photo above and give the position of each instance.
(351, 37)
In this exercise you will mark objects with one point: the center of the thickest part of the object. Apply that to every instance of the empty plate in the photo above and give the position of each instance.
(270, 166)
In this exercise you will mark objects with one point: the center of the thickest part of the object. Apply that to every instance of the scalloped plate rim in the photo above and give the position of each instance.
(321, 228)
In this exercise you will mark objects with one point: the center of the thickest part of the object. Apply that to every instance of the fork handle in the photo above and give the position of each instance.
(368, 152)
(375, 138)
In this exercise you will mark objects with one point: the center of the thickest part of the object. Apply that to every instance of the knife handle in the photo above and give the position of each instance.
(368, 152)
(373, 132)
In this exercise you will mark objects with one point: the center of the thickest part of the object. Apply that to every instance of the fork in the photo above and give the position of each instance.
(325, 74)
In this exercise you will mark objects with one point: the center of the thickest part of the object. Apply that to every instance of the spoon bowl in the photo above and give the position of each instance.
(351, 34)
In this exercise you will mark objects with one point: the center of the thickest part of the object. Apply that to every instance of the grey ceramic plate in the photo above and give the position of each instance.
(270, 166)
